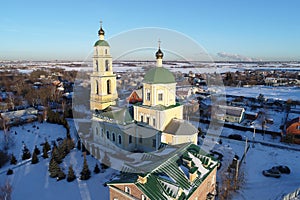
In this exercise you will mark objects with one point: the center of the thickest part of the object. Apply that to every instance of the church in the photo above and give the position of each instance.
(157, 120)
(149, 142)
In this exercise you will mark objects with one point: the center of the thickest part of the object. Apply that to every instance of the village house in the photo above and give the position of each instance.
(292, 131)
(230, 114)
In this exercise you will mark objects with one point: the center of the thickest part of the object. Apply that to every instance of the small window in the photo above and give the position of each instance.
(97, 69)
(142, 118)
(298, 127)
(148, 95)
(102, 132)
(140, 140)
(120, 139)
(127, 189)
(106, 65)
(113, 137)
(130, 139)
(105, 51)
(160, 97)
(148, 120)
(153, 122)
(107, 134)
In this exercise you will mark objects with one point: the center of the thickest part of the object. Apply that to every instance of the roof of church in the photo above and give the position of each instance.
(169, 172)
(159, 75)
(121, 116)
(180, 127)
(101, 43)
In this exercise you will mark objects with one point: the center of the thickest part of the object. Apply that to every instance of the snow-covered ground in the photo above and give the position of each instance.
(283, 93)
(33, 181)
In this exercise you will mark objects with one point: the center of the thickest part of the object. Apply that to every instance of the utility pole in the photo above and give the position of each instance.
(253, 137)
(245, 152)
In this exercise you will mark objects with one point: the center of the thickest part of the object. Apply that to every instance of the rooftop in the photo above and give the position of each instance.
(164, 176)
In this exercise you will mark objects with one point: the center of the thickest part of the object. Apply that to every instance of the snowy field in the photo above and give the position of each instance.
(33, 181)
(282, 93)
(262, 158)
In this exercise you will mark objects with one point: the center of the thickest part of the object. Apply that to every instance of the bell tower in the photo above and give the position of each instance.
(103, 80)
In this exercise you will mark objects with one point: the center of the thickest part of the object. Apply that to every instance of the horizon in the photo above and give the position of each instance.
(228, 31)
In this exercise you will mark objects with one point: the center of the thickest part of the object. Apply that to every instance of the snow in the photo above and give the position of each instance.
(198, 164)
(283, 93)
(258, 186)
(33, 181)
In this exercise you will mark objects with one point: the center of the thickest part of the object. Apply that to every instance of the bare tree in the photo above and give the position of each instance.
(5, 191)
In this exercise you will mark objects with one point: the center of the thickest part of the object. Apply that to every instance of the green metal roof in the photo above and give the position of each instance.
(101, 43)
(122, 115)
(159, 75)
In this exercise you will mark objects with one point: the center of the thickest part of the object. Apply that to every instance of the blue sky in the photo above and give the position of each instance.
(65, 29)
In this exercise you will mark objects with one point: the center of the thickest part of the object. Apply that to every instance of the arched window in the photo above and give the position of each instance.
(107, 134)
(108, 85)
(97, 132)
(114, 137)
(106, 65)
(120, 139)
(97, 69)
(105, 51)
(102, 132)
(130, 139)
(97, 87)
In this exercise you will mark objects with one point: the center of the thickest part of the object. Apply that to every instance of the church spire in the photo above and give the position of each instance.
(101, 32)
(159, 55)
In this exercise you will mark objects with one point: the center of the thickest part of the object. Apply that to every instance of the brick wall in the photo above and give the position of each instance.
(118, 191)
(207, 186)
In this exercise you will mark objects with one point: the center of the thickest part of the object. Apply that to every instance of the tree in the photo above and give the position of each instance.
(78, 145)
(105, 161)
(85, 173)
(96, 169)
(5, 191)
(34, 158)
(71, 175)
(26, 153)
(36, 150)
(47, 146)
(61, 175)
(56, 154)
(9, 172)
(4, 157)
(54, 168)
(45, 152)
(13, 160)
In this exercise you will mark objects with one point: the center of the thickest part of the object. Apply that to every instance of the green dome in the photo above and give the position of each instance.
(101, 43)
(159, 75)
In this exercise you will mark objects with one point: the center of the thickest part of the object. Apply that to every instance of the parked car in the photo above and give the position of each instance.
(272, 173)
(282, 169)
(235, 137)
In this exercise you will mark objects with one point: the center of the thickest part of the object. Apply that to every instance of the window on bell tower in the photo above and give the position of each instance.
(108, 85)
(97, 87)
(106, 65)
(97, 69)
(148, 95)
(105, 51)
